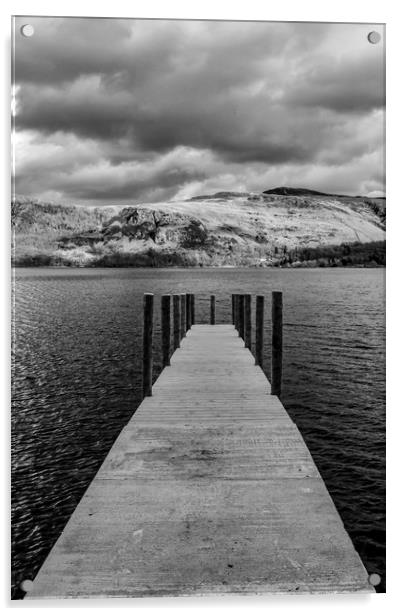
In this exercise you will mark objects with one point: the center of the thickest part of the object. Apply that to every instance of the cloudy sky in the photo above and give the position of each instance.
(127, 111)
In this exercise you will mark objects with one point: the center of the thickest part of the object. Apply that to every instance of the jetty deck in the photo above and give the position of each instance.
(209, 489)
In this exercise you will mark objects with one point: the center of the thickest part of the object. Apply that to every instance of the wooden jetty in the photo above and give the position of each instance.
(210, 488)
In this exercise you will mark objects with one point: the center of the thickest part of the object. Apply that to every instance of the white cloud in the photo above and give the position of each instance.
(153, 109)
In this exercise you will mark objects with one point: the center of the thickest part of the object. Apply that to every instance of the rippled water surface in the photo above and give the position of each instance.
(77, 381)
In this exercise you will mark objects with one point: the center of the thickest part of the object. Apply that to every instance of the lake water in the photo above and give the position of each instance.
(77, 381)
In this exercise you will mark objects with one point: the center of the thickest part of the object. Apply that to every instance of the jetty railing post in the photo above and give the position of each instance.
(276, 362)
(165, 310)
(236, 312)
(259, 330)
(176, 321)
(147, 335)
(212, 310)
(182, 315)
(247, 321)
(241, 316)
(192, 306)
(188, 311)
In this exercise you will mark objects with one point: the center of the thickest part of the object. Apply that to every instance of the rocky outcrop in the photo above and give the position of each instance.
(222, 229)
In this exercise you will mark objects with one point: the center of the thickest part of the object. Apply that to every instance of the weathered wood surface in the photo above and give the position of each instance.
(259, 330)
(147, 344)
(165, 325)
(276, 343)
(183, 327)
(176, 321)
(247, 320)
(209, 489)
(212, 310)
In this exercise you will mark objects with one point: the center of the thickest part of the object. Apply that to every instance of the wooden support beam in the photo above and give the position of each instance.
(192, 305)
(176, 321)
(182, 315)
(276, 362)
(165, 325)
(212, 310)
(147, 344)
(259, 330)
(188, 311)
(247, 320)
(236, 311)
(241, 316)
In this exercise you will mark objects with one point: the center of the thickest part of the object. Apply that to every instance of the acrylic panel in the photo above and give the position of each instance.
(198, 213)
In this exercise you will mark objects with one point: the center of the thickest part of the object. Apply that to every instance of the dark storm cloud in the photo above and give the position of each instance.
(356, 86)
(225, 126)
(130, 51)
(63, 49)
(122, 92)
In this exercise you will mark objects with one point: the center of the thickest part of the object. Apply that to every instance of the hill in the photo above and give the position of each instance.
(300, 192)
(224, 229)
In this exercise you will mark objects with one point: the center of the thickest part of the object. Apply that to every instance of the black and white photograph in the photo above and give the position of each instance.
(198, 251)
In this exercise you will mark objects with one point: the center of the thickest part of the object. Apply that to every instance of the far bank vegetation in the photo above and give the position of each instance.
(227, 229)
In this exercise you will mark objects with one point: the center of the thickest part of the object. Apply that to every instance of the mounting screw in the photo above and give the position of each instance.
(27, 30)
(27, 585)
(374, 37)
(374, 579)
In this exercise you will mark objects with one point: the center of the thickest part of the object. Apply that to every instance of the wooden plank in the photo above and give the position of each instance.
(202, 537)
(209, 489)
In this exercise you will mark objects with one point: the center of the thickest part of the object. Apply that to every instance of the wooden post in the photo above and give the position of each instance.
(276, 362)
(147, 344)
(192, 304)
(176, 321)
(259, 330)
(188, 311)
(182, 315)
(247, 321)
(165, 321)
(241, 316)
(236, 311)
(212, 311)
(233, 309)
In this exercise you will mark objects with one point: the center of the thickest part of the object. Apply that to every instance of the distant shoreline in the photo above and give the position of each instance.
(198, 267)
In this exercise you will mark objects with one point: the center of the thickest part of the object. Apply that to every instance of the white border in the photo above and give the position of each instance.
(381, 11)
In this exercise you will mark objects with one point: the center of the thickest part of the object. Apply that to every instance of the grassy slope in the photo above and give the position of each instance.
(224, 229)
